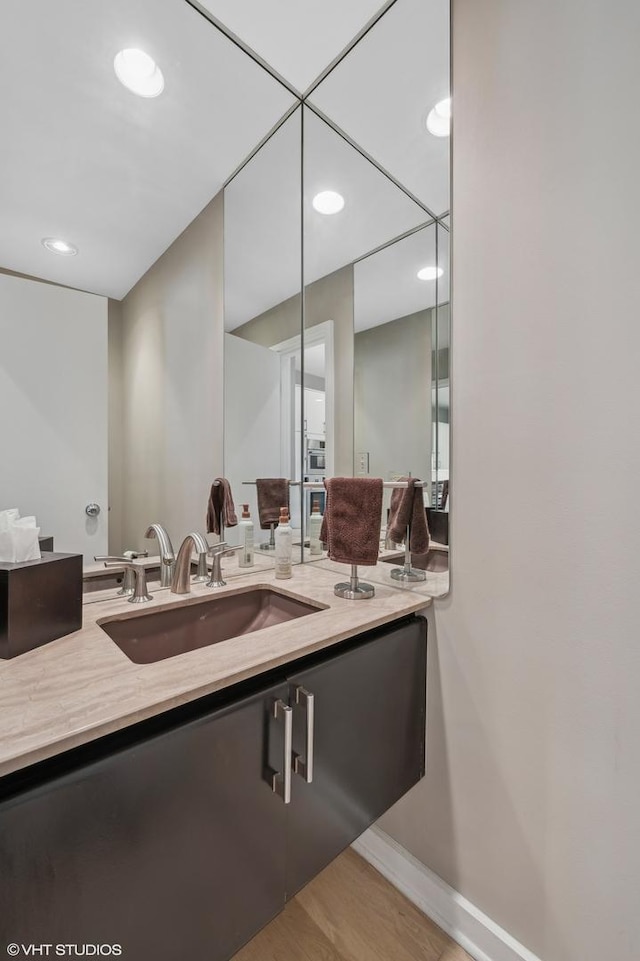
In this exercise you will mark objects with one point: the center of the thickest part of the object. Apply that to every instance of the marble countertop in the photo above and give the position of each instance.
(82, 686)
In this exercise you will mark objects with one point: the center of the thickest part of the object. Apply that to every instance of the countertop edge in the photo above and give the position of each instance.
(70, 739)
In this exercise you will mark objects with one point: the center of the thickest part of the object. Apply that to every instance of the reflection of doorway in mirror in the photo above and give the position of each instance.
(314, 403)
(253, 417)
(320, 399)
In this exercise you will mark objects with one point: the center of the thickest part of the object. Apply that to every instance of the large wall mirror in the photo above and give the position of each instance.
(213, 312)
(376, 266)
(262, 342)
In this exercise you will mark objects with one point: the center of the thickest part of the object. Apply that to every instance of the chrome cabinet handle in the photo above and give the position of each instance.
(281, 781)
(305, 767)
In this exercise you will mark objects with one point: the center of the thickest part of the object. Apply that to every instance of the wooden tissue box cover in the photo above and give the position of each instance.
(39, 601)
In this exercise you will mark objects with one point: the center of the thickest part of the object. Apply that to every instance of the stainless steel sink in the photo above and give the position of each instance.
(155, 635)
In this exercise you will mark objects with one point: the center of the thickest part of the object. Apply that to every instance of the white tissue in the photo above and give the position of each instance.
(18, 537)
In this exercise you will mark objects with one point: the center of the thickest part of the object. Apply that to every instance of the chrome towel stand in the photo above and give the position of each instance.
(407, 572)
(354, 589)
(270, 545)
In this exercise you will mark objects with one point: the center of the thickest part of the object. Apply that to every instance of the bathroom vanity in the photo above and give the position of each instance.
(173, 807)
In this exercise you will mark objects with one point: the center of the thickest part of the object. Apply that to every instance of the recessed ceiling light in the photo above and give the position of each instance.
(57, 246)
(139, 72)
(328, 202)
(439, 119)
(430, 273)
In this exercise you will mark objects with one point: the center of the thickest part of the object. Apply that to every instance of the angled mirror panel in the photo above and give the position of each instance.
(372, 212)
(297, 40)
(262, 276)
(388, 285)
(383, 244)
(381, 94)
(393, 357)
(262, 229)
(439, 498)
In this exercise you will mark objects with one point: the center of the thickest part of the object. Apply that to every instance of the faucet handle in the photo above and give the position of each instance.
(113, 559)
(140, 594)
(218, 551)
(218, 548)
(138, 591)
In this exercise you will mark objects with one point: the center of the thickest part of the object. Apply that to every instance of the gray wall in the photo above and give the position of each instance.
(116, 406)
(393, 396)
(530, 804)
(172, 372)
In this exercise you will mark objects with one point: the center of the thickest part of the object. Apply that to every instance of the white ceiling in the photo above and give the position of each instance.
(386, 286)
(381, 93)
(86, 160)
(121, 176)
(298, 39)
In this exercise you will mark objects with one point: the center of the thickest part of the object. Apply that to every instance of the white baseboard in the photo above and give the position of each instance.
(481, 937)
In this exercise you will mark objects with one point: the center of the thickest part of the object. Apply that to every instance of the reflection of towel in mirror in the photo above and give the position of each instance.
(407, 509)
(351, 523)
(220, 507)
(273, 493)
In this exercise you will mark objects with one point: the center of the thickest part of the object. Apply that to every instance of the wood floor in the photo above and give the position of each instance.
(351, 913)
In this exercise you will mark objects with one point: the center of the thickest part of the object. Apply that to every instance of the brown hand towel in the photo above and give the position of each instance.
(273, 493)
(407, 508)
(351, 524)
(220, 506)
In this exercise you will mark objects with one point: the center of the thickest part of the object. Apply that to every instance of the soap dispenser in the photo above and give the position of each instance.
(315, 526)
(245, 554)
(284, 546)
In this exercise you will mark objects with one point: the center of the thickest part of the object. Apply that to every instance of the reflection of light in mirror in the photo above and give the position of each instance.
(57, 246)
(439, 119)
(328, 202)
(139, 72)
(429, 273)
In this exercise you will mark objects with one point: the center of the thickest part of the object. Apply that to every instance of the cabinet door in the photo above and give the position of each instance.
(172, 847)
(369, 732)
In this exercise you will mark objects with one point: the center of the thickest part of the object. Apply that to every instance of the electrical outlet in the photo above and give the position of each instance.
(362, 463)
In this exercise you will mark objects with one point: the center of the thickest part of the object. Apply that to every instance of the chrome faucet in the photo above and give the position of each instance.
(193, 541)
(167, 555)
(138, 572)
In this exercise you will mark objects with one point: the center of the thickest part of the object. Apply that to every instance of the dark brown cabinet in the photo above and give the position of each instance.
(368, 744)
(169, 840)
(159, 846)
